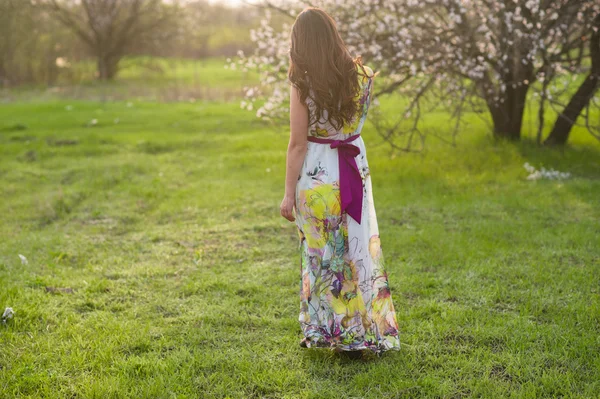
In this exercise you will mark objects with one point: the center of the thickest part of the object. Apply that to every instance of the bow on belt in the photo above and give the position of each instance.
(351, 189)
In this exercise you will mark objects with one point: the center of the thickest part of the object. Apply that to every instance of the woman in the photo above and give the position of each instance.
(345, 298)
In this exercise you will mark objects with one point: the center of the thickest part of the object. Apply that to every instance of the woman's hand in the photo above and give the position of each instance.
(287, 204)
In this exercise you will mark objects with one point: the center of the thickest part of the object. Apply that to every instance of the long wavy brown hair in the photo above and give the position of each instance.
(320, 61)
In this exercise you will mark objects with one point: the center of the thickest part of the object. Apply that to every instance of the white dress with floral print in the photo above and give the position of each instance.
(345, 298)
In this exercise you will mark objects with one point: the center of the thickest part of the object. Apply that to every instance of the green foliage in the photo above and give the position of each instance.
(158, 265)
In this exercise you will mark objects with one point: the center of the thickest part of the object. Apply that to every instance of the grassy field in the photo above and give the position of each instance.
(158, 265)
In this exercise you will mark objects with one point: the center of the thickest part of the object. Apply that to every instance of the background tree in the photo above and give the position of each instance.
(34, 48)
(213, 29)
(111, 28)
(15, 22)
(451, 55)
(582, 97)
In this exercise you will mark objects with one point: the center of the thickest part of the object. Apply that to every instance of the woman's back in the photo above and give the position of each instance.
(324, 128)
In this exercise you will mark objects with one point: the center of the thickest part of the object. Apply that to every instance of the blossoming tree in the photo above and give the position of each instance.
(451, 55)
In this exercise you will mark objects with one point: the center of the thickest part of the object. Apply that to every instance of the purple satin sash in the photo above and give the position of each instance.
(351, 188)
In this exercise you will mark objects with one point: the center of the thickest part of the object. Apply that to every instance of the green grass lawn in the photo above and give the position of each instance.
(159, 267)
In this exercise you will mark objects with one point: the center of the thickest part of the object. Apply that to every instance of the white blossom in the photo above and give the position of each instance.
(7, 314)
(543, 173)
(470, 48)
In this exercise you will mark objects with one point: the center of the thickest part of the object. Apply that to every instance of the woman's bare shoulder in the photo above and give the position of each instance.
(366, 71)
(369, 71)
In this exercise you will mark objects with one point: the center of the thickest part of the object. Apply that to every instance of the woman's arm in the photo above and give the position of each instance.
(295, 153)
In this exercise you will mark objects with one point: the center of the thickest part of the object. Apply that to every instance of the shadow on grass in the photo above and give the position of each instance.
(579, 160)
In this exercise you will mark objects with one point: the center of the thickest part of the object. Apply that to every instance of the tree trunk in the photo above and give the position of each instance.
(3, 75)
(507, 111)
(508, 115)
(565, 121)
(107, 67)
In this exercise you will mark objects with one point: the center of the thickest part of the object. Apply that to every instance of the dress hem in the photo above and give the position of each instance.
(320, 342)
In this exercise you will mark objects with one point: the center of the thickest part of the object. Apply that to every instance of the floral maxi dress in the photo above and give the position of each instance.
(345, 299)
